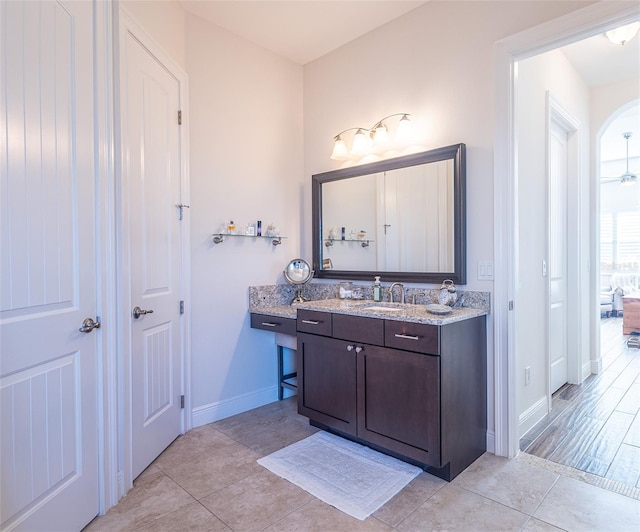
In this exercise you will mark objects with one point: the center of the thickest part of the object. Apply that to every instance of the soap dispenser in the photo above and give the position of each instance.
(377, 289)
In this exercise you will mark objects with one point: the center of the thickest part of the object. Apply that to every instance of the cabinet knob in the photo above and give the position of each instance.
(358, 349)
(349, 347)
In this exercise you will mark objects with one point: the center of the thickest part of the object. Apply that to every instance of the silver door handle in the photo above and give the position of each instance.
(88, 325)
(137, 312)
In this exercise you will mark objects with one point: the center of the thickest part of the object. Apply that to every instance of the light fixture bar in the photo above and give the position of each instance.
(366, 140)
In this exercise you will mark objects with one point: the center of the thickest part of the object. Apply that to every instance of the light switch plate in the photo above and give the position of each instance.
(485, 270)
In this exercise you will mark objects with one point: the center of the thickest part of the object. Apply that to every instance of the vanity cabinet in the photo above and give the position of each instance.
(414, 390)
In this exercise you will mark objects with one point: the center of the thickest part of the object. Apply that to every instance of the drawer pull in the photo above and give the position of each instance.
(311, 322)
(407, 337)
(268, 324)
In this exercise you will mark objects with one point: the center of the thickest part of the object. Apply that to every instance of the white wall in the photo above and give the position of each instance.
(245, 128)
(537, 75)
(437, 63)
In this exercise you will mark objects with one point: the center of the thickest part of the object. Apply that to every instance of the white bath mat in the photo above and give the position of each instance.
(353, 478)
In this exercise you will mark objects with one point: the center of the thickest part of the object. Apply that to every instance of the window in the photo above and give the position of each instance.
(620, 241)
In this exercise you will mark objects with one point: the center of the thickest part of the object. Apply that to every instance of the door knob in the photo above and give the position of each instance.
(137, 312)
(88, 325)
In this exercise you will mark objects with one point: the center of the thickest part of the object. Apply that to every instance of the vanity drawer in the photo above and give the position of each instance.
(409, 336)
(358, 329)
(314, 322)
(274, 324)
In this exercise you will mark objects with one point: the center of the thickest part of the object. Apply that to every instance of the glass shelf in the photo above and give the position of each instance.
(364, 242)
(218, 238)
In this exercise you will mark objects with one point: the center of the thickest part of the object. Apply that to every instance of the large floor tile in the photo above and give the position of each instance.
(268, 438)
(317, 516)
(154, 497)
(191, 446)
(535, 525)
(574, 505)
(191, 518)
(413, 495)
(256, 501)
(222, 466)
(454, 508)
(515, 484)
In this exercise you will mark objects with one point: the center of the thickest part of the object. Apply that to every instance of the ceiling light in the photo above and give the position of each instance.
(623, 34)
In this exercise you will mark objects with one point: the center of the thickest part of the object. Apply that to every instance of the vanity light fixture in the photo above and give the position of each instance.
(623, 34)
(369, 140)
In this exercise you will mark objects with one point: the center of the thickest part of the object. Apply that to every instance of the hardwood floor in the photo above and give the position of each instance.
(595, 426)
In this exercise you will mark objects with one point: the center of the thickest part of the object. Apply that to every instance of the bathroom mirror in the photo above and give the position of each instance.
(403, 219)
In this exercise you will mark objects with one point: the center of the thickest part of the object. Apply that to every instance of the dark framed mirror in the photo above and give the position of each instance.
(403, 219)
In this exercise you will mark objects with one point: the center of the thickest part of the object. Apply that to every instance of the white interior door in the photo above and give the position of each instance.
(558, 263)
(152, 179)
(48, 380)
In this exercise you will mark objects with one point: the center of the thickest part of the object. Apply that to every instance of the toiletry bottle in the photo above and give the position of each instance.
(343, 233)
(259, 224)
(377, 289)
(231, 227)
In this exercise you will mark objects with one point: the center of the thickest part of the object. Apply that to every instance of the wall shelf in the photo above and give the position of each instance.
(218, 238)
(363, 242)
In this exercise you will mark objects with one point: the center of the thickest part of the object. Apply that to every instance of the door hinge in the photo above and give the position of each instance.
(181, 207)
(181, 307)
(179, 118)
(181, 402)
(510, 305)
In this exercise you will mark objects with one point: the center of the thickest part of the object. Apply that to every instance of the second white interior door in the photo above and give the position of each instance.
(152, 222)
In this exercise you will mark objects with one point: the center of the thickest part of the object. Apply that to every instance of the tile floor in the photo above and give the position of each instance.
(209, 480)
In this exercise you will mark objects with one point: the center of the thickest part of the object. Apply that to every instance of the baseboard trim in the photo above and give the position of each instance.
(532, 415)
(211, 412)
(491, 441)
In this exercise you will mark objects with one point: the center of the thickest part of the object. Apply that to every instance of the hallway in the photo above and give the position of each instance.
(595, 426)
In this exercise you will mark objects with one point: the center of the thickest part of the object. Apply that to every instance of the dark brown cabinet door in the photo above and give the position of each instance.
(327, 381)
(399, 402)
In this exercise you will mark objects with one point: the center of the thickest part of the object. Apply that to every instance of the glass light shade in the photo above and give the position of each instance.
(360, 145)
(623, 34)
(405, 129)
(339, 149)
(380, 134)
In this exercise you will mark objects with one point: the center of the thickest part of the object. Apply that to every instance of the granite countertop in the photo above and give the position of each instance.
(353, 307)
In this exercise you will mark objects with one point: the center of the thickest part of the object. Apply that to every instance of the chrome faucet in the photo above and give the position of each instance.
(390, 290)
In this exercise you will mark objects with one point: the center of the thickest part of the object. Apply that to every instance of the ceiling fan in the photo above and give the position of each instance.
(627, 177)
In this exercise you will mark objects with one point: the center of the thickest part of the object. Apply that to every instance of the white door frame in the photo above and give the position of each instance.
(106, 250)
(581, 24)
(559, 115)
(127, 25)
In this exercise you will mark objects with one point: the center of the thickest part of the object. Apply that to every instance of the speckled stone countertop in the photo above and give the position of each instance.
(275, 301)
(404, 312)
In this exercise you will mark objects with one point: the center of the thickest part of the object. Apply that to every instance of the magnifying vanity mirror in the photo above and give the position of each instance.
(403, 219)
(298, 273)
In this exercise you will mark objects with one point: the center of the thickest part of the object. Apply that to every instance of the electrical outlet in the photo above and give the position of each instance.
(527, 375)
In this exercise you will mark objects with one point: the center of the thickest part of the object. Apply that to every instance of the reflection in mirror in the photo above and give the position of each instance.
(402, 218)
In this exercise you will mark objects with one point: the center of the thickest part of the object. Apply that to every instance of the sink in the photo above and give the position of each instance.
(382, 307)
